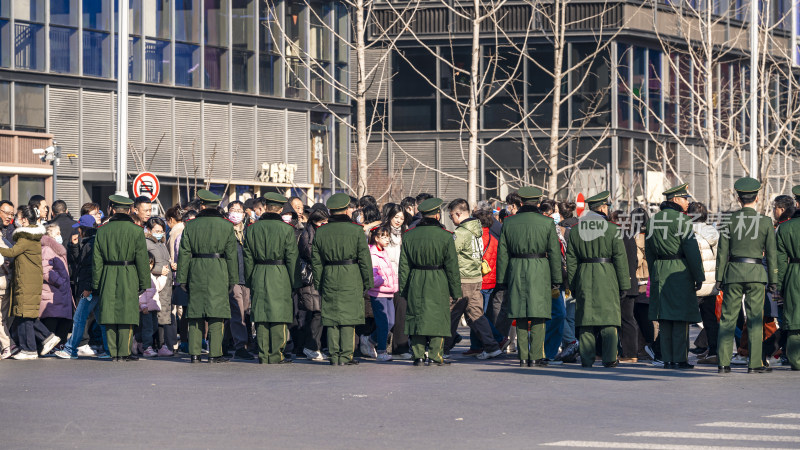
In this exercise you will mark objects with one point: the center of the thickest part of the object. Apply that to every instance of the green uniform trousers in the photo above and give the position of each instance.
(272, 338)
(674, 337)
(793, 348)
(214, 337)
(341, 343)
(119, 340)
(588, 346)
(732, 294)
(530, 339)
(418, 344)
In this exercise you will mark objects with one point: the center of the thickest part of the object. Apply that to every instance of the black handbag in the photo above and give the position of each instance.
(305, 273)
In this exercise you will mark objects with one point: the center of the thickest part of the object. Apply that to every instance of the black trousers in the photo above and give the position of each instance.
(29, 331)
(641, 312)
(309, 331)
(497, 312)
(58, 326)
(399, 337)
(629, 331)
(710, 323)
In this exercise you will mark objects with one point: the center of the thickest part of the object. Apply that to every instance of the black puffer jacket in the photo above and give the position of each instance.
(85, 263)
(309, 299)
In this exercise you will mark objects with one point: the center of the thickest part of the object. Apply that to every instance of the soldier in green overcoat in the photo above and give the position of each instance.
(597, 272)
(529, 265)
(342, 269)
(121, 271)
(745, 241)
(429, 276)
(208, 268)
(788, 249)
(271, 272)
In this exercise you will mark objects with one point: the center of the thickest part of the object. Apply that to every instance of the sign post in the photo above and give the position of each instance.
(146, 184)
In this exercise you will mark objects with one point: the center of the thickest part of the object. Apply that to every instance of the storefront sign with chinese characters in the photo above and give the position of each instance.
(277, 173)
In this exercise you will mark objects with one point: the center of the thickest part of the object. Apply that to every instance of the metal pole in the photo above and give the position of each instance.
(122, 100)
(754, 88)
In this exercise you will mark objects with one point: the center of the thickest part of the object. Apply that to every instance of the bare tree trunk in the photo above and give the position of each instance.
(361, 103)
(555, 119)
(475, 82)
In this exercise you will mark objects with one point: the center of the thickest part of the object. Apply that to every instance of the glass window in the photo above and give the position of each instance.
(504, 109)
(216, 64)
(413, 115)
(134, 58)
(64, 12)
(187, 65)
(96, 54)
(503, 161)
(269, 60)
(320, 49)
(96, 15)
(216, 17)
(243, 71)
(157, 20)
(591, 104)
(5, 188)
(63, 50)
(134, 16)
(342, 29)
(5, 43)
(639, 87)
(29, 10)
(623, 86)
(454, 82)
(29, 46)
(27, 187)
(5, 11)
(5, 105)
(243, 12)
(654, 89)
(295, 30)
(157, 61)
(407, 82)
(540, 85)
(187, 20)
(29, 106)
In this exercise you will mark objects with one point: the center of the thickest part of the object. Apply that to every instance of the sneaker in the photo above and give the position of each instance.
(103, 355)
(658, 363)
(444, 355)
(553, 362)
(204, 348)
(404, 356)
(85, 350)
(366, 348)
(649, 350)
(165, 352)
(26, 355)
(384, 357)
(313, 355)
(9, 351)
(569, 354)
(712, 360)
(149, 353)
(242, 354)
(49, 343)
(472, 352)
(504, 343)
(490, 355)
(183, 347)
(739, 360)
(63, 354)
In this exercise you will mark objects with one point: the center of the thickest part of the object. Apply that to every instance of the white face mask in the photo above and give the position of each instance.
(18, 223)
(236, 217)
(556, 218)
(253, 216)
(287, 218)
(59, 239)
(157, 236)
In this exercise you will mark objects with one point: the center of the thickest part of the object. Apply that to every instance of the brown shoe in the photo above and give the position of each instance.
(712, 360)
(629, 360)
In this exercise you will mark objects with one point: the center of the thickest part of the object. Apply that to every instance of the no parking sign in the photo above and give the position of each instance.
(146, 184)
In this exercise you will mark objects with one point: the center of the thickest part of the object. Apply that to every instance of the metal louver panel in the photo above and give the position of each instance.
(136, 143)
(96, 131)
(69, 191)
(188, 140)
(244, 153)
(451, 162)
(217, 143)
(379, 181)
(158, 148)
(65, 128)
(271, 136)
(412, 160)
(299, 146)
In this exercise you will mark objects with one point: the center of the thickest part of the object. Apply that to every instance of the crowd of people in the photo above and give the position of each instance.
(272, 279)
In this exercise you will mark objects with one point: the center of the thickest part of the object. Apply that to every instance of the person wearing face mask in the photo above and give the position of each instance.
(259, 208)
(239, 298)
(163, 266)
(55, 309)
(554, 328)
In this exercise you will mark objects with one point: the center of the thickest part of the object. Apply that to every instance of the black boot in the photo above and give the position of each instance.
(541, 362)
(762, 369)
(352, 362)
(419, 362)
(611, 364)
(195, 359)
(682, 366)
(129, 358)
(218, 359)
(523, 363)
(723, 369)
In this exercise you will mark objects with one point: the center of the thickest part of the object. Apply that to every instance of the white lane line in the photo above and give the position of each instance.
(784, 416)
(644, 445)
(716, 436)
(765, 426)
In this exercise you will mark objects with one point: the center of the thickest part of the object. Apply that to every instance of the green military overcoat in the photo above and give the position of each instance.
(747, 234)
(529, 280)
(341, 287)
(270, 284)
(596, 286)
(208, 279)
(672, 281)
(118, 286)
(788, 247)
(428, 292)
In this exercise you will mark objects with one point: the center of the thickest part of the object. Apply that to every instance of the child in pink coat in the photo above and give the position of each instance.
(386, 284)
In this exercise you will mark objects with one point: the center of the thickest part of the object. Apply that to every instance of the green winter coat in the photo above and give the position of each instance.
(672, 282)
(751, 235)
(596, 286)
(118, 286)
(428, 292)
(788, 247)
(27, 254)
(469, 248)
(529, 280)
(341, 287)
(208, 279)
(271, 285)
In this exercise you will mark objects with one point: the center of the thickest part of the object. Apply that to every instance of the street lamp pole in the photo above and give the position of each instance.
(754, 88)
(122, 100)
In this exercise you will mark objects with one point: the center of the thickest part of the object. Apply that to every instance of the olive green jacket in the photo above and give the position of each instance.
(26, 287)
(788, 248)
(672, 281)
(529, 280)
(596, 286)
(341, 287)
(118, 286)
(747, 234)
(425, 286)
(208, 279)
(271, 285)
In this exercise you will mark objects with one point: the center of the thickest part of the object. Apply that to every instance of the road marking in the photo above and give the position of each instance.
(717, 436)
(642, 445)
(784, 416)
(766, 426)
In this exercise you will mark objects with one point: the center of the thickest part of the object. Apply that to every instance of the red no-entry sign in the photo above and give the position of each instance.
(580, 204)
(146, 184)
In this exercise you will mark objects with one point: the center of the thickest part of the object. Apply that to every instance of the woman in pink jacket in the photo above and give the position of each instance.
(55, 309)
(381, 296)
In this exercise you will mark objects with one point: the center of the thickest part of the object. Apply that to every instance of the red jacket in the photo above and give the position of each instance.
(490, 255)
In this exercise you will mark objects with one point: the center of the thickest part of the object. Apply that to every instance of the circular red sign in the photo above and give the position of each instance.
(580, 204)
(146, 184)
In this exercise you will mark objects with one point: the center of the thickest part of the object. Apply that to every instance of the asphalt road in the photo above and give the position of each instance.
(170, 403)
